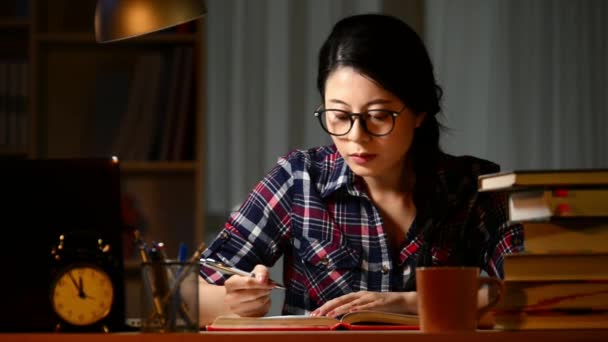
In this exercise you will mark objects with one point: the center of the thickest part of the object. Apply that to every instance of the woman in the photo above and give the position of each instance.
(354, 219)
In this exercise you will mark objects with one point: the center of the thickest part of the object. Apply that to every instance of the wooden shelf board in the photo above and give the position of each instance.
(7, 151)
(161, 167)
(14, 23)
(89, 38)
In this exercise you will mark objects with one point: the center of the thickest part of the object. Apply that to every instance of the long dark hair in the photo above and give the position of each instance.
(391, 53)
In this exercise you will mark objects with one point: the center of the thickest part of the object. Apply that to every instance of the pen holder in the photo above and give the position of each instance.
(169, 297)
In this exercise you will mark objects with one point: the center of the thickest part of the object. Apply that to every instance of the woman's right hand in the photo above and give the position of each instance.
(249, 296)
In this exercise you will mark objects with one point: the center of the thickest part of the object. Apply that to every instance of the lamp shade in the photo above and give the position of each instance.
(117, 20)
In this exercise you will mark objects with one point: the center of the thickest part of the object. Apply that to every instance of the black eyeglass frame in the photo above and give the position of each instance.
(363, 116)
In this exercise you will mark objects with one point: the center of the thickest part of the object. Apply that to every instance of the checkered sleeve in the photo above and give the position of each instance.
(505, 237)
(256, 233)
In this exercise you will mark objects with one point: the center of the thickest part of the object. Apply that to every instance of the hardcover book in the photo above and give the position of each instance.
(542, 205)
(551, 320)
(530, 296)
(564, 235)
(543, 179)
(556, 266)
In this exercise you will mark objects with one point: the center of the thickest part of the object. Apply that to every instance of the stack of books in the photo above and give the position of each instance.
(560, 281)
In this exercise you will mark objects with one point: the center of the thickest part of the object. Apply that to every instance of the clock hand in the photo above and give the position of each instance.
(80, 288)
(74, 281)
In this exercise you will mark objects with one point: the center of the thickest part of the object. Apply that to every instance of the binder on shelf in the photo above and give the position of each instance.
(136, 128)
(12, 103)
(3, 103)
(183, 111)
(23, 115)
(166, 133)
(111, 96)
(143, 141)
(158, 121)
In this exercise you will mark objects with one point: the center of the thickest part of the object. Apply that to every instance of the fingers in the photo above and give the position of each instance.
(259, 281)
(367, 306)
(357, 301)
(261, 274)
(248, 302)
(249, 296)
(256, 308)
(400, 302)
(338, 306)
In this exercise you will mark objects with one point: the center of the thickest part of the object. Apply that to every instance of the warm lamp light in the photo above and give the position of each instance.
(117, 20)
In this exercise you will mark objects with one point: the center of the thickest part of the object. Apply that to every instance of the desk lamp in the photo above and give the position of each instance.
(121, 19)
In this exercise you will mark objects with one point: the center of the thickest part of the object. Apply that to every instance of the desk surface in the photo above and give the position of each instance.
(333, 336)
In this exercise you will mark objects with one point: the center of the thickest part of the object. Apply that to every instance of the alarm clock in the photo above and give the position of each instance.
(83, 289)
(54, 212)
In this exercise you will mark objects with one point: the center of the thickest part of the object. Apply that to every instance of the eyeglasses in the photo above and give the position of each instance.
(376, 122)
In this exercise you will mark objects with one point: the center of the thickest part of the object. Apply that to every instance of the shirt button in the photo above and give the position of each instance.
(224, 236)
(324, 262)
(384, 269)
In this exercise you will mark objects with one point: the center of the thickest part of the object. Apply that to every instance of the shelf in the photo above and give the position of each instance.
(11, 152)
(81, 93)
(7, 23)
(157, 167)
(132, 266)
(89, 38)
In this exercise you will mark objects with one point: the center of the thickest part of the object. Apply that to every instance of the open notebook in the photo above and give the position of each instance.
(361, 320)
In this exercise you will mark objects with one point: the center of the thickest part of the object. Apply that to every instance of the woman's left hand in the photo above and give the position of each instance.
(365, 300)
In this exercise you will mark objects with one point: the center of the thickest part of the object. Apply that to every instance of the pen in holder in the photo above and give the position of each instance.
(148, 277)
(169, 288)
(170, 296)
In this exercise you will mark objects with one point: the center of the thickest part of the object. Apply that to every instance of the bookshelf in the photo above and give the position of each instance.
(139, 99)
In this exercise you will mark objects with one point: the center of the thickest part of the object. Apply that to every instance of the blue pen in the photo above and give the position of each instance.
(182, 252)
(182, 255)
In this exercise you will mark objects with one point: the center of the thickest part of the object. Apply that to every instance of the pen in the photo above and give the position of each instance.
(145, 259)
(159, 274)
(182, 252)
(184, 272)
(177, 302)
(225, 269)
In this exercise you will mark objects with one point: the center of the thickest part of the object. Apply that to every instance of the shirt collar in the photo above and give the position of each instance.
(340, 177)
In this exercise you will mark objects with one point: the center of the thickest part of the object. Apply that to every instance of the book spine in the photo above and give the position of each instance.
(523, 296)
(562, 236)
(544, 205)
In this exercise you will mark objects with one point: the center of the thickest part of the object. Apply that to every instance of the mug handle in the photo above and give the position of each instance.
(499, 286)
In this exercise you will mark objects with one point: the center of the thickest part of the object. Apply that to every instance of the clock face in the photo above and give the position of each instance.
(82, 295)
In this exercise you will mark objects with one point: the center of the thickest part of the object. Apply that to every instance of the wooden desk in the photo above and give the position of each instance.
(334, 336)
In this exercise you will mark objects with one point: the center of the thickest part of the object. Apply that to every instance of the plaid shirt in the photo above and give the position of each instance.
(311, 208)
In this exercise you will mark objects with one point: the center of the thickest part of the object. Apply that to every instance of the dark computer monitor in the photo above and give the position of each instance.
(40, 200)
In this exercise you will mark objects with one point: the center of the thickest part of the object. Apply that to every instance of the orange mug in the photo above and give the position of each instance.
(447, 298)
